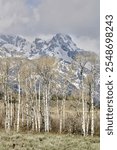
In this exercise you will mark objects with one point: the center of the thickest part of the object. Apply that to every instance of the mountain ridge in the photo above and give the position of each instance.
(60, 45)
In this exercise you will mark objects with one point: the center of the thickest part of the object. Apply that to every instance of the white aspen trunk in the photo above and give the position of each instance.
(6, 98)
(6, 118)
(44, 102)
(32, 118)
(22, 109)
(83, 117)
(19, 99)
(47, 111)
(27, 117)
(63, 105)
(8, 113)
(57, 111)
(92, 112)
(83, 110)
(61, 120)
(32, 105)
(14, 116)
(39, 116)
(39, 123)
(57, 108)
(35, 119)
(87, 123)
(5, 104)
(27, 107)
(11, 112)
(33, 122)
(36, 108)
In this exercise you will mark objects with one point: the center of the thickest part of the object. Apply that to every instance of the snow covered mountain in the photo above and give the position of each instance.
(14, 46)
(60, 46)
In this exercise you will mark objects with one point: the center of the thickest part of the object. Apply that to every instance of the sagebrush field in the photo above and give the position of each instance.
(30, 141)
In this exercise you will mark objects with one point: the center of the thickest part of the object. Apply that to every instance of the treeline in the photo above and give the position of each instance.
(35, 95)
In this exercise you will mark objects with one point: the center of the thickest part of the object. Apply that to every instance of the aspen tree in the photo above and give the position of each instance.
(94, 71)
(45, 69)
(39, 106)
(62, 112)
(19, 102)
(2, 85)
(82, 61)
(19, 79)
(6, 98)
(88, 83)
(11, 110)
(25, 75)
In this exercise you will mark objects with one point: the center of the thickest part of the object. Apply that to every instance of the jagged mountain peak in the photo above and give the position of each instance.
(14, 46)
(64, 37)
(60, 46)
(15, 40)
(8, 37)
(63, 40)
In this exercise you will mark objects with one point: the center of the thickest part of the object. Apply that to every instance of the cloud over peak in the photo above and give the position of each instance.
(34, 17)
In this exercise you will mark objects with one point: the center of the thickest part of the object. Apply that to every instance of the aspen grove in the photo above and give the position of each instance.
(34, 95)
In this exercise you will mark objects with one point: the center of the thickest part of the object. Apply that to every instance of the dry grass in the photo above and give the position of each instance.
(29, 141)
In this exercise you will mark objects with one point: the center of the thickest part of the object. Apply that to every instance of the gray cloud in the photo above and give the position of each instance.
(75, 17)
(80, 17)
(16, 17)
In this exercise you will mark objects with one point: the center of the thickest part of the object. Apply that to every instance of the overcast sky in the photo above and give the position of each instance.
(32, 18)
